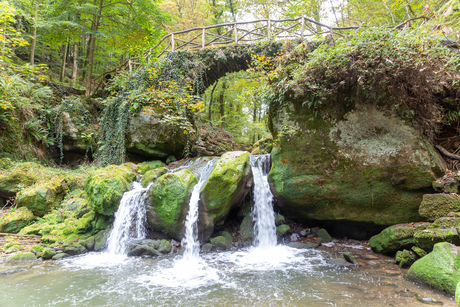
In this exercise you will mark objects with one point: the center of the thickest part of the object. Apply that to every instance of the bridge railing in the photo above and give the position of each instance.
(235, 33)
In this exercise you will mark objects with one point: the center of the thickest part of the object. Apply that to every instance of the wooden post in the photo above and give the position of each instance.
(236, 34)
(172, 42)
(302, 27)
(269, 29)
(203, 39)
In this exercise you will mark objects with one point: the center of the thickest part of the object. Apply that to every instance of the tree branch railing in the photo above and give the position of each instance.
(227, 34)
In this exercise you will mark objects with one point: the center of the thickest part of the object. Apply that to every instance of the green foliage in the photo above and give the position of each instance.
(407, 70)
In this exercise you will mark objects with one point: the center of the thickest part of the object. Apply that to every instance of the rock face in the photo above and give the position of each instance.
(106, 187)
(439, 269)
(153, 175)
(434, 206)
(362, 166)
(228, 184)
(13, 222)
(169, 201)
(41, 197)
(149, 138)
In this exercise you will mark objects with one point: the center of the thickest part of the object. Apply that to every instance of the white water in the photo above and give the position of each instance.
(190, 240)
(263, 214)
(130, 220)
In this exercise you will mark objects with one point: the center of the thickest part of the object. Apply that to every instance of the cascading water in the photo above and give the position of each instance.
(264, 216)
(190, 240)
(130, 220)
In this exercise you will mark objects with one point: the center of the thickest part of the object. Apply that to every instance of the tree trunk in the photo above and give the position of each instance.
(254, 119)
(210, 103)
(222, 103)
(34, 37)
(64, 60)
(92, 44)
(75, 64)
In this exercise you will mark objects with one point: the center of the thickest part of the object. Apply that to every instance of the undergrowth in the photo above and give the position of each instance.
(409, 72)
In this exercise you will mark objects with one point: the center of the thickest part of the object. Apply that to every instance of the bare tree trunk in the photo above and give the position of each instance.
(34, 37)
(75, 64)
(210, 103)
(92, 44)
(64, 60)
(222, 103)
(389, 10)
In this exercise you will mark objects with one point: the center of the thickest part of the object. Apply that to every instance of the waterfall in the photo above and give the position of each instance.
(264, 216)
(190, 240)
(130, 220)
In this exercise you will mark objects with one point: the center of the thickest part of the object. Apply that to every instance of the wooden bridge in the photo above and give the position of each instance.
(243, 32)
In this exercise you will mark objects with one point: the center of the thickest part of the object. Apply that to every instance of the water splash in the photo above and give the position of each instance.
(130, 220)
(264, 216)
(190, 240)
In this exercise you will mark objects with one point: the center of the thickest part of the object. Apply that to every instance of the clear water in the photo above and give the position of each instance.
(130, 220)
(280, 277)
(190, 240)
(262, 211)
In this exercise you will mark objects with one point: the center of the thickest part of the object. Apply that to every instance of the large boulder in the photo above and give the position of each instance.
(152, 175)
(228, 184)
(434, 206)
(169, 201)
(151, 138)
(14, 221)
(41, 197)
(357, 165)
(106, 186)
(396, 237)
(439, 269)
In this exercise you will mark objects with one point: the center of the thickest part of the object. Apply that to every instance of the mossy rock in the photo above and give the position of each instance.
(145, 247)
(164, 246)
(405, 258)
(75, 249)
(282, 229)
(152, 175)
(41, 197)
(14, 221)
(47, 253)
(434, 206)
(279, 219)
(76, 203)
(100, 240)
(144, 167)
(427, 238)
(227, 185)
(37, 248)
(361, 164)
(419, 252)
(25, 256)
(439, 269)
(84, 225)
(106, 186)
(396, 237)
(301, 245)
(247, 228)
(169, 203)
(324, 235)
(221, 243)
(21, 176)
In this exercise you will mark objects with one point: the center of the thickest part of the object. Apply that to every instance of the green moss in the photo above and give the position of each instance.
(26, 256)
(152, 175)
(14, 221)
(221, 242)
(169, 199)
(48, 253)
(282, 229)
(439, 269)
(396, 237)
(246, 228)
(37, 248)
(84, 224)
(324, 235)
(434, 206)
(358, 165)
(76, 203)
(144, 167)
(41, 197)
(427, 238)
(405, 258)
(106, 186)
